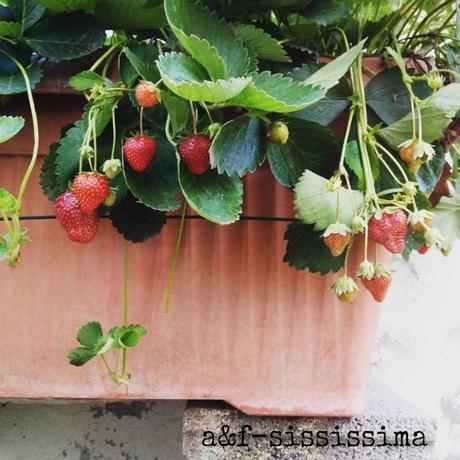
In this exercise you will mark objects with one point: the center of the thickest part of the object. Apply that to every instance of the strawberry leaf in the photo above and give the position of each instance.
(68, 154)
(186, 78)
(260, 43)
(10, 29)
(310, 146)
(210, 40)
(89, 334)
(69, 5)
(446, 217)
(86, 80)
(66, 36)
(48, 178)
(217, 198)
(316, 204)
(8, 202)
(80, 356)
(9, 127)
(158, 186)
(128, 336)
(430, 172)
(142, 57)
(26, 12)
(239, 147)
(136, 222)
(130, 14)
(14, 84)
(276, 93)
(178, 111)
(306, 250)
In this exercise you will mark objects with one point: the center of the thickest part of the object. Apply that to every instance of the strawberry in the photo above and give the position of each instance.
(345, 289)
(139, 151)
(194, 152)
(389, 229)
(91, 189)
(80, 227)
(147, 94)
(278, 133)
(379, 283)
(423, 249)
(336, 238)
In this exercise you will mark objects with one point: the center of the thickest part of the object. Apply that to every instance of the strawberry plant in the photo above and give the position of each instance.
(184, 98)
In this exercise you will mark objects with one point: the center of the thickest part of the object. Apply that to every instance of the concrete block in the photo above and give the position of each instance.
(389, 428)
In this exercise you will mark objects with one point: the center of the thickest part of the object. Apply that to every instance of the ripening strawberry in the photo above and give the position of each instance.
(390, 230)
(147, 94)
(336, 238)
(345, 289)
(423, 249)
(80, 227)
(379, 283)
(91, 189)
(194, 152)
(139, 151)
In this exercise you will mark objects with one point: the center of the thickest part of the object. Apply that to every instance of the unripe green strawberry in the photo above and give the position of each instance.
(345, 289)
(91, 189)
(278, 133)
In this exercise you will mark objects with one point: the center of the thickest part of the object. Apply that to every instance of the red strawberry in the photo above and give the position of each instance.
(91, 190)
(146, 94)
(423, 249)
(336, 238)
(80, 227)
(389, 230)
(194, 152)
(379, 283)
(139, 152)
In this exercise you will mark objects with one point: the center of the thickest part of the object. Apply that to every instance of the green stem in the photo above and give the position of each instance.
(114, 131)
(103, 57)
(125, 304)
(172, 270)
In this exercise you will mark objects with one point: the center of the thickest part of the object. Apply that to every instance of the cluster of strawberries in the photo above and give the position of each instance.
(387, 228)
(76, 209)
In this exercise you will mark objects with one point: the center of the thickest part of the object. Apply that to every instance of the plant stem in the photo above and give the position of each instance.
(172, 270)
(125, 303)
(103, 57)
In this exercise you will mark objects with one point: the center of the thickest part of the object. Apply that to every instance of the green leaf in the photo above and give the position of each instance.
(80, 356)
(388, 97)
(178, 110)
(329, 75)
(326, 12)
(128, 336)
(210, 40)
(8, 202)
(239, 147)
(48, 178)
(14, 84)
(69, 5)
(68, 154)
(430, 172)
(86, 80)
(328, 108)
(10, 29)
(275, 93)
(306, 250)
(315, 204)
(26, 12)
(104, 344)
(9, 127)
(130, 14)
(89, 334)
(446, 218)
(437, 113)
(158, 186)
(142, 57)
(353, 160)
(310, 146)
(186, 78)
(263, 45)
(136, 222)
(413, 242)
(66, 36)
(217, 198)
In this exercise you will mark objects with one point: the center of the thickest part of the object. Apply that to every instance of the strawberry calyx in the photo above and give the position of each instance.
(345, 289)
(366, 270)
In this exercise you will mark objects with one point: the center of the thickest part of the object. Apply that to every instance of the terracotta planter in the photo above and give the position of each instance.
(243, 327)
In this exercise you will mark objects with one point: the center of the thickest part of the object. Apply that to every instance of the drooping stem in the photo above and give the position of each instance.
(172, 270)
(124, 358)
